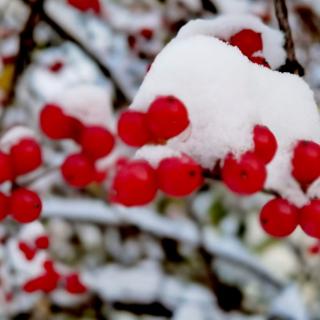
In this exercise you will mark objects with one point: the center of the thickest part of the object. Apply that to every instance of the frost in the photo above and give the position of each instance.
(226, 96)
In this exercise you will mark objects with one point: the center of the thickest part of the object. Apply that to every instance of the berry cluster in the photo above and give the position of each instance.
(250, 44)
(30, 249)
(22, 205)
(96, 142)
(86, 5)
(166, 117)
(50, 279)
(278, 217)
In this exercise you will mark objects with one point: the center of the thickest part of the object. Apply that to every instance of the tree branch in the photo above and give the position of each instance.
(292, 65)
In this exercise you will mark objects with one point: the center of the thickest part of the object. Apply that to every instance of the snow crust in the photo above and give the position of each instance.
(226, 96)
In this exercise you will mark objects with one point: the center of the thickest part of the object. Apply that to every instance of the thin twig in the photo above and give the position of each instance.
(292, 65)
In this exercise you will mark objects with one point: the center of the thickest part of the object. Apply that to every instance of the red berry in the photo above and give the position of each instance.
(135, 184)
(96, 142)
(6, 171)
(306, 162)
(28, 251)
(146, 33)
(86, 5)
(74, 285)
(78, 171)
(26, 156)
(56, 66)
(55, 124)
(314, 249)
(248, 41)
(244, 176)
(309, 219)
(260, 60)
(265, 143)
(132, 128)
(32, 285)
(4, 206)
(279, 218)
(42, 242)
(179, 177)
(167, 117)
(25, 205)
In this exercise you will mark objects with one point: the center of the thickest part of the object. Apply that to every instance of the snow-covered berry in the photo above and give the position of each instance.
(167, 117)
(265, 143)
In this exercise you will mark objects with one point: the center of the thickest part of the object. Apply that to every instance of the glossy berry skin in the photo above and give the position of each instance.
(265, 143)
(42, 242)
(244, 176)
(86, 5)
(279, 218)
(24, 205)
(166, 118)
(135, 184)
(55, 124)
(73, 284)
(26, 156)
(96, 142)
(309, 219)
(6, 171)
(4, 206)
(306, 162)
(78, 170)
(248, 41)
(179, 176)
(132, 128)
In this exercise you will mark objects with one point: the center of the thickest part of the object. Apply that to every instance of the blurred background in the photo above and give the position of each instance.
(200, 258)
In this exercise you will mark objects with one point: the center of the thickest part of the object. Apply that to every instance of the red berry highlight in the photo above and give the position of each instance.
(279, 218)
(265, 143)
(244, 176)
(26, 156)
(306, 162)
(24, 205)
(135, 184)
(96, 142)
(78, 170)
(167, 117)
(248, 41)
(133, 129)
(179, 176)
(6, 171)
(309, 219)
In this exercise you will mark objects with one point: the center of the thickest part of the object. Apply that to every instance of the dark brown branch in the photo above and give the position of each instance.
(292, 65)
(26, 45)
(64, 34)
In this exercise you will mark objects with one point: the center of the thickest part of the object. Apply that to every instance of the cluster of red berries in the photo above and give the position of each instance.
(96, 142)
(278, 217)
(86, 5)
(250, 44)
(51, 279)
(30, 249)
(136, 182)
(166, 117)
(22, 205)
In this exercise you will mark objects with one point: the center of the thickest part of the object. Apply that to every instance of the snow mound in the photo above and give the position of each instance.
(226, 96)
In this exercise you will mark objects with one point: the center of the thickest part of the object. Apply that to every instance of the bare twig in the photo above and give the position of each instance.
(292, 65)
